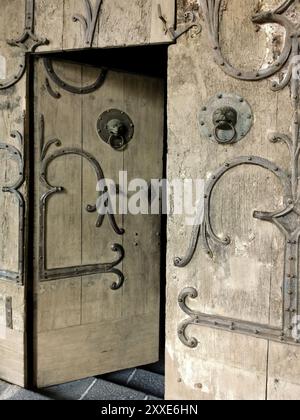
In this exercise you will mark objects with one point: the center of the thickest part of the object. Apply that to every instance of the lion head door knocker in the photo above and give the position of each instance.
(226, 118)
(115, 128)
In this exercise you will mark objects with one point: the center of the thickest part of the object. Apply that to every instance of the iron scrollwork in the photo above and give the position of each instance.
(68, 87)
(191, 23)
(222, 323)
(89, 21)
(17, 154)
(47, 274)
(286, 219)
(27, 42)
(212, 10)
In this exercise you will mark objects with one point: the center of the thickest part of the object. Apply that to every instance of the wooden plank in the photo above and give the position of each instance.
(124, 23)
(104, 346)
(284, 372)
(143, 160)
(97, 242)
(120, 23)
(225, 366)
(16, 293)
(49, 23)
(59, 302)
(73, 32)
(64, 210)
(132, 23)
(12, 366)
(168, 7)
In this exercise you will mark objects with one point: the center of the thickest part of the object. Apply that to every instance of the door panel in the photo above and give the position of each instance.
(234, 303)
(84, 327)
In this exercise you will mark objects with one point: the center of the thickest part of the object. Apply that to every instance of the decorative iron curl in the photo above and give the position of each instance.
(204, 228)
(84, 270)
(17, 155)
(212, 11)
(71, 88)
(89, 21)
(188, 293)
(27, 42)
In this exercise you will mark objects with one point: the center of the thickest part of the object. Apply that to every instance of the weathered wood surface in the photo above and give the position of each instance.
(243, 280)
(86, 350)
(120, 23)
(12, 366)
(12, 106)
(12, 357)
(104, 330)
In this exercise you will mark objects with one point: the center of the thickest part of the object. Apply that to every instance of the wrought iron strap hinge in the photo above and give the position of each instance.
(9, 312)
(68, 87)
(48, 274)
(212, 14)
(287, 219)
(27, 42)
(197, 318)
(17, 154)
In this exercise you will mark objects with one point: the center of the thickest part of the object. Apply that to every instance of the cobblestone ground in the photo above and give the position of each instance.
(132, 384)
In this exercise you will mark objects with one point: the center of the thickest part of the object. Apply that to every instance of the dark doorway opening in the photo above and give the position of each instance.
(148, 60)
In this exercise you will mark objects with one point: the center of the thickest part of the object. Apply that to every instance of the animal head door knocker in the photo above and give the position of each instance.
(115, 128)
(218, 120)
(226, 119)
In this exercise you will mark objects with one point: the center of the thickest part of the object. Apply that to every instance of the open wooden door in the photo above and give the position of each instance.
(97, 288)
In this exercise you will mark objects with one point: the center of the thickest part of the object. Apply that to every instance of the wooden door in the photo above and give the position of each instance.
(97, 288)
(233, 294)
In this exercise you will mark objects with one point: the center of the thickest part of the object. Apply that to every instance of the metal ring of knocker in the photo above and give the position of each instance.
(218, 128)
(117, 131)
(115, 128)
(225, 119)
(114, 145)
